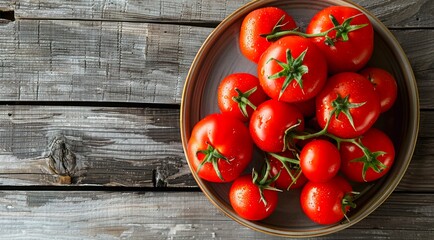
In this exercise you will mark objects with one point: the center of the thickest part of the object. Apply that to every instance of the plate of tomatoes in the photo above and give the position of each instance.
(299, 118)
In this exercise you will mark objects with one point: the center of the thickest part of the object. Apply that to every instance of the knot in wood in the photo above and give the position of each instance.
(62, 160)
(159, 177)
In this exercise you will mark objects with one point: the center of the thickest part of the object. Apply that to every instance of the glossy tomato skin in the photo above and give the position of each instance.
(230, 137)
(257, 22)
(359, 91)
(269, 122)
(375, 140)
(227, 91)
(322, 201)
(349, 55)
(312, 81)
(320, 160)
(284, 181)
(384, 84)
(246, 201)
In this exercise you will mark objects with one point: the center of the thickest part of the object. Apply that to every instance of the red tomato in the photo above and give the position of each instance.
(285, 181)
(238, 95)
(384, 84)
(271, 123)
(258, 22)
(245, 199)
(326, 202)
(350, 101)
(219, 148)
(292, 69)
(365, 168)
(320, 160)
(345, 49)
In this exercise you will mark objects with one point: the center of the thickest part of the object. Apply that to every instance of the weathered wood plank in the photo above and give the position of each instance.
(419, 47)
(119, 146)
(191, 11)
(396, 14)
(401, 13)
(49, 145)
(177, 215)
(96, 61)
(129, 62)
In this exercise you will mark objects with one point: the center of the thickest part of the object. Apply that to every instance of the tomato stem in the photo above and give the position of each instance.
(342, 31)
(265, 182)
(285, 161)
(277, 27)
(339, 105)
(289, 135)
(348, 201)
(243, 100)
(292, 70)
(343, 105)
(212, 155)
(317, 134)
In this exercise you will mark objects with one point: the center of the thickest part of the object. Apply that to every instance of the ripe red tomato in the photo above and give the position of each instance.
(366, 168)
(258, 22)
(292, 69)
(238, 95)
(320, 160)
(245, 199)
(326, 202)
(384, 84)
(285, 181)
(220, 148)
(271, 123)
(346, 48)
(350, 102)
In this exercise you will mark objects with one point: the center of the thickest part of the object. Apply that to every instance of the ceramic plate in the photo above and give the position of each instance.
(220, 56)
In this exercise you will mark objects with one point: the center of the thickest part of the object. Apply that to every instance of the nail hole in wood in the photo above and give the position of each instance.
(7, 15)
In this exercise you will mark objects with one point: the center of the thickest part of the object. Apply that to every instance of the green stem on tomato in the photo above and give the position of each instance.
(348, 201)
(342, 31)
(212, 155)
(274, 36)
(264, 182)
(285, 161)
(317, 134)
(243, 100)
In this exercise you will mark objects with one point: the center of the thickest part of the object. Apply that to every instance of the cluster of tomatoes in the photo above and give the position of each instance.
(310, 110)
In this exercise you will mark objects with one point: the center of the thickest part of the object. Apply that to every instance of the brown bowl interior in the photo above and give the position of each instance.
(220, 56)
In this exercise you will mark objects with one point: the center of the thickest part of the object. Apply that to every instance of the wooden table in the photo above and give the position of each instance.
(89, 122)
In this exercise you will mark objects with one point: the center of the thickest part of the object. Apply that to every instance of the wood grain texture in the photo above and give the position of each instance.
(176, 215)
(418, 45)
(189, 11)
(124, 146)
(401, 13)
(91, 145)
(104, 78)
(398, 13)
(96, 61)
(49, 60)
